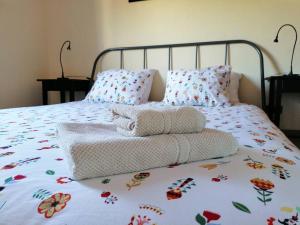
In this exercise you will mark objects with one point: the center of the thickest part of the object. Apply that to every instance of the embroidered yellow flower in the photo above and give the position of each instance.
(276, 166)
(137, 179)
(284, 160)
(54, 204)
(256, 165)
(209, 166)
(141, 176)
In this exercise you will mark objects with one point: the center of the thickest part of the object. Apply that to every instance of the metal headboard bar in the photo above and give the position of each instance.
(197, 63)
(226, 54)
(227, 43)
(145, 59)
(170, 58)
(122, 59)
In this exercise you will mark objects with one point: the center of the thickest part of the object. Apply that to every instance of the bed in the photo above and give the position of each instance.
(259, 185)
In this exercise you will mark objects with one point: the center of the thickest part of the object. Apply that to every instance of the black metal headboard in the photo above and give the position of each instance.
(226, 43)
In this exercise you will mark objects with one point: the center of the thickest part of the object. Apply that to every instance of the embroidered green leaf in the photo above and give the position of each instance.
(260, 199)
(298, 209)
(8, 180)
(41, 194)
(241, 207)
(200, 219)
(268, 194)
(50, 172)
(1, 206)
(106, 181)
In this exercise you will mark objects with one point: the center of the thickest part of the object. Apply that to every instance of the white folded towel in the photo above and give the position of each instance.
(98, 150)
(142, 121)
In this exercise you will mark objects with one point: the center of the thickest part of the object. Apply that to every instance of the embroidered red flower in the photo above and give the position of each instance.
(207, 217)
(263, 188)
(211, 216)
(271, 221)
(19, 177)
(105, 194)
(262, 184)
(9, 166)
(64, 180)
(54, 204)
(215, 179)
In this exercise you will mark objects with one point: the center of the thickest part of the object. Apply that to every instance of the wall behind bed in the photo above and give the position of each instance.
(97, 24)
(23, 52)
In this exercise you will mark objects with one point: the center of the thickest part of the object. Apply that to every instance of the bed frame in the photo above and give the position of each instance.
(197, 45)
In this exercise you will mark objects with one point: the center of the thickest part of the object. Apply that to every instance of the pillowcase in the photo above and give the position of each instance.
(122, 86)
(206, 87)
(233, 88)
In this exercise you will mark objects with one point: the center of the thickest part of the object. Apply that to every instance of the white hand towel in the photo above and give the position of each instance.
(139, 121)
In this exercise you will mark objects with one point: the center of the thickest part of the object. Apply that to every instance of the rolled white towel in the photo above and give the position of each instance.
(97, 150)
(140, 121)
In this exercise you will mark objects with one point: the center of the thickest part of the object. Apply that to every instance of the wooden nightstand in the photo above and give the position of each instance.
(278, 86)
(62, 85)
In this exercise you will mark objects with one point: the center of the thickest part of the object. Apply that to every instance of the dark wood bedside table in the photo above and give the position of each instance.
(62, 85)
(278, 86)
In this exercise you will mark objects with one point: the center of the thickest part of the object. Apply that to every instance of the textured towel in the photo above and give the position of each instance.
(97, 150)
(140, 121)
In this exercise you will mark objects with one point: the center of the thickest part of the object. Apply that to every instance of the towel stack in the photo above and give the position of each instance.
(141, 138)
(143, 120)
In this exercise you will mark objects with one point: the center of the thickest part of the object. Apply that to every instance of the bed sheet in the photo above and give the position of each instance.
(258, 186)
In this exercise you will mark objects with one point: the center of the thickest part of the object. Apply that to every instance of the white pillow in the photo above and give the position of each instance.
(206, 87)
(122, 86)
(233, 88)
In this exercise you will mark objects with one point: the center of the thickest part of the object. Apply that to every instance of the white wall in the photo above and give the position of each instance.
(23, 52)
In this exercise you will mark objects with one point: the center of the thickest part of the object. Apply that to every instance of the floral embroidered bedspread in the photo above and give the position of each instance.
(260, 185)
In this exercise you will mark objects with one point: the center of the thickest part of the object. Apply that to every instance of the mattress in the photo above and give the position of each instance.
(257, 186)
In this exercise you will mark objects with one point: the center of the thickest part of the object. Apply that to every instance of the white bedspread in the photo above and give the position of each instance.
(258, 186)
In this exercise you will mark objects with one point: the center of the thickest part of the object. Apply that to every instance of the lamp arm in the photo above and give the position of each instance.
(294, 51)
(296, 39)
(60, 58)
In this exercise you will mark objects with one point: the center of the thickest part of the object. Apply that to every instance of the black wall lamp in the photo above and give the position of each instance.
(60, 57)
(296, 39)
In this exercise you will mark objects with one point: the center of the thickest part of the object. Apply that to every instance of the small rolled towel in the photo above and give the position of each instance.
(140, 121)
(98, 150)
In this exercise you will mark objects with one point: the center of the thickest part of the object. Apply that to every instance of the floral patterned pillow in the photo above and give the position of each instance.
(122, 86)
(206, 87)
